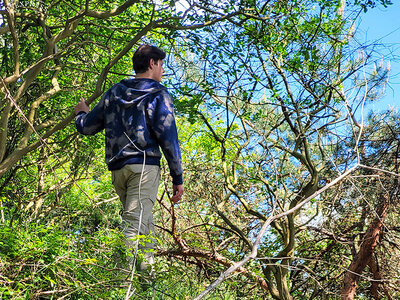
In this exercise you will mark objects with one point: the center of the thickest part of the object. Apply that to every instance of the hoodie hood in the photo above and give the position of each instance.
(133, 90)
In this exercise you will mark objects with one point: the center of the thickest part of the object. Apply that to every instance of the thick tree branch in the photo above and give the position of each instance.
(10, 13)
(364, 255)
(163, 23)
(113, 12)
(216, 257)
(5, 115)
(266, 224)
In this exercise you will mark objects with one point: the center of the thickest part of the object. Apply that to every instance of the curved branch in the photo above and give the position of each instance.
(266, 224)
(216, 258)
(107, 14)
(10, 13)
(162, 23)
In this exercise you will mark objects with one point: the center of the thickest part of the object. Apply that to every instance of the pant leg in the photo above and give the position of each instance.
(126, 182)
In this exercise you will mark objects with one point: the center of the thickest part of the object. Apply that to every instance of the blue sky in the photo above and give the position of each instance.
(383, 25)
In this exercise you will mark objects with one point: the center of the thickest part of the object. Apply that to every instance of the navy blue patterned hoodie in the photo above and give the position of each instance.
(138, 116)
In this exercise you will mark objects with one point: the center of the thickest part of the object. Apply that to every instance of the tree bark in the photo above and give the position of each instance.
(365, 254)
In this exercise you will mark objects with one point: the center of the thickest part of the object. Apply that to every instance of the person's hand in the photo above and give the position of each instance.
(177, 191)
(81, 106)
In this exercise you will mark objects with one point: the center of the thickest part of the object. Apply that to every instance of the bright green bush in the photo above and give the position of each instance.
(44, 262)
(47, 262)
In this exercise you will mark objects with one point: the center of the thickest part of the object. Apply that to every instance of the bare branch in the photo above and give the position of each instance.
(10, 13)
(266, 224)
(107, 14)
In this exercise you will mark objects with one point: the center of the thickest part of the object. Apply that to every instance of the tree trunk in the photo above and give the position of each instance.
(365, 254)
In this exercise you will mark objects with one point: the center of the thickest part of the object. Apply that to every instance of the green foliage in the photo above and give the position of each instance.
(40, 261)
(366, 4)
(46, 260)
(264, 98)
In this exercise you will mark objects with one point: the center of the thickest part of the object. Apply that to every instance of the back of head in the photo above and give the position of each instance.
(141, 58)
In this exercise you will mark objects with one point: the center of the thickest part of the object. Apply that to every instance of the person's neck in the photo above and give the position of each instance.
(146, 75)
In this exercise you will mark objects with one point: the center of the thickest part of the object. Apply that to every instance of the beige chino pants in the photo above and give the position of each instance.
(138, 207)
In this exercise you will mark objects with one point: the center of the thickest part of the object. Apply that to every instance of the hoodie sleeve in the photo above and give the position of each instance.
(92, 122)
(161, 113)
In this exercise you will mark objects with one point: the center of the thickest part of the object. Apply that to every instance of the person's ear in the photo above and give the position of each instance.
(151, 63)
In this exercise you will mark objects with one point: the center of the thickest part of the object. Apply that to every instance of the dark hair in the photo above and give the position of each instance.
(141, 58)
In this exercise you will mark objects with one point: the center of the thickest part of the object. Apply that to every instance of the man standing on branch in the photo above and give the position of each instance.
(138, 117)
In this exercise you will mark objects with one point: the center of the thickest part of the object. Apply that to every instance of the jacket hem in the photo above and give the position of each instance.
(153, 161)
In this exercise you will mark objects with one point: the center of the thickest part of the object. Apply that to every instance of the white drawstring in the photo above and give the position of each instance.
(128, 293)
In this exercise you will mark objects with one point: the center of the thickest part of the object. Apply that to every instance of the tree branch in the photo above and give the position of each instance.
(266, 224)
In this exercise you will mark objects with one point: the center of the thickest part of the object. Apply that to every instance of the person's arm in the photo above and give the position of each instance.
(164, 126)
(89, 122)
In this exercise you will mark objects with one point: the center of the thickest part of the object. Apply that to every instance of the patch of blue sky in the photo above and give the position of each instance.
(380, 28)
(221, 71)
